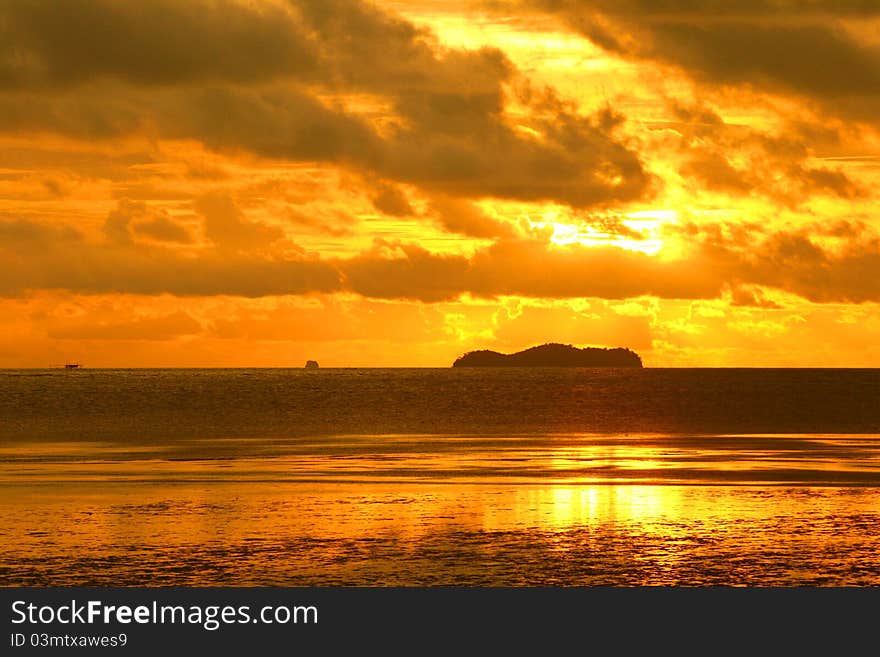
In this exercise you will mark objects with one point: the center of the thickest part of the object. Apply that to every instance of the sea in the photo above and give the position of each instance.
(440, 477)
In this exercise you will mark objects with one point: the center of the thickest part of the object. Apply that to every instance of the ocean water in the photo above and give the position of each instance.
(440, 477)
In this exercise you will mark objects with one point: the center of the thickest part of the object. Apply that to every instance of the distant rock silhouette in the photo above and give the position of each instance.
(552, 355)
(312, 365)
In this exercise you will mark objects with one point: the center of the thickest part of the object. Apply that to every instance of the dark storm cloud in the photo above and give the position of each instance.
(64, 42)
(255, 78)
(482, 157)
(366, 48)
(275, 121)
(804, 48)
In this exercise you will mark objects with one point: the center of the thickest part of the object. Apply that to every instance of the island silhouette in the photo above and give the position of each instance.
(552, 355)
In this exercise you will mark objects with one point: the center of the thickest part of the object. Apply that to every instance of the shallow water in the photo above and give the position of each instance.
(256, 478)
(431, 534)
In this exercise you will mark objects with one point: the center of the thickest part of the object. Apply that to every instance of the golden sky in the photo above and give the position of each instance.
(260, 182)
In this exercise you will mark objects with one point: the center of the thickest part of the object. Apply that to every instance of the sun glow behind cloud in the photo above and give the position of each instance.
(642, 230)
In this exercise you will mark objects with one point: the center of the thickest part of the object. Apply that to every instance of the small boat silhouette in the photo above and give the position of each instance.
(71, 366)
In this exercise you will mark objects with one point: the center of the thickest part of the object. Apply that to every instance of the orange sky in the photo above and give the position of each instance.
(255, 183)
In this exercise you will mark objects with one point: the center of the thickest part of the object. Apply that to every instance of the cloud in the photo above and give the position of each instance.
(428, 132)
(837, 263)
(164, 229)
(132, 219)
(165, 327)
(534, 268)
(331, 319)
(18, 236)
(795, 263)
(526, 267)
(740, 160)
(259, 78)
(406, 271)
(466, 218)
(391, 200)
(719, 258)
(338, 224)
(821, 50)
(37, 257)
(751, 298)
(799, 261)
(52, 43)
(227, 227)
(714, 172)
